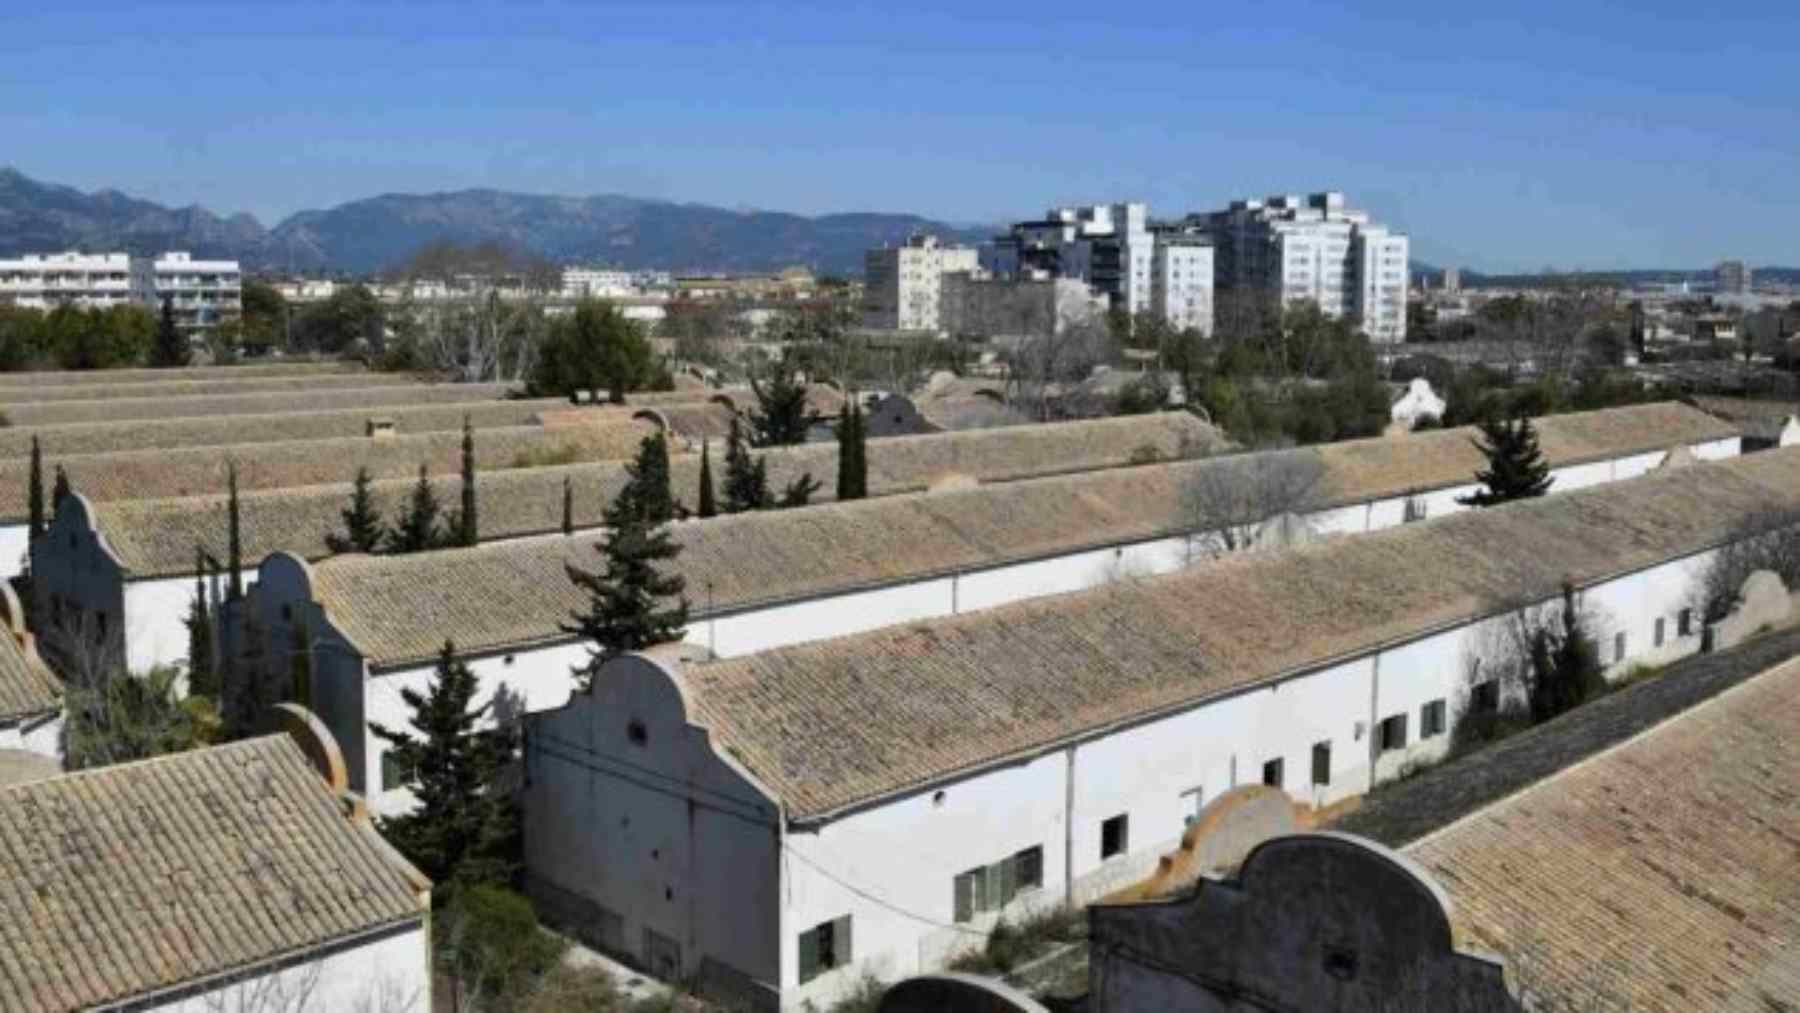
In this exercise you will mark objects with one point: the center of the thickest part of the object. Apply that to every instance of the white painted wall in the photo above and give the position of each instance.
(44, 737)
(390, 974)
(15, 541)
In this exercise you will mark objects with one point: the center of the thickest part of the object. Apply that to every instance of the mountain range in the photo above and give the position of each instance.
(368, 235)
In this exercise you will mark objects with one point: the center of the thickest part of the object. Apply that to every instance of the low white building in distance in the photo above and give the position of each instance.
(597, 283)
(778, 825)
(89, 280)
(237, 877)
(902, 284)
(1315, 250)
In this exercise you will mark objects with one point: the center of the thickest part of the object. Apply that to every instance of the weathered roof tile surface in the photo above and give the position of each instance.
(831, 723)
(27, 688)
(127, 879)
(1663, 874)
(53, 413)
(295, 386)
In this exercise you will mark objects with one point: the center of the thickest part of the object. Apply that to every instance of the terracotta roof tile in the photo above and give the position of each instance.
(27, 688)
(51, 413)
(108, 377)
(1663, 874)
(294, 386)
(123, 880)
(830, 723)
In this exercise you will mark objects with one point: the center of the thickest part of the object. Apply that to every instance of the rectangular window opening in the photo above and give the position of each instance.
(1431, 719)
(1273, 772)
(1321, 763)
(823, 947)
(1114, 834)
(1393, 733)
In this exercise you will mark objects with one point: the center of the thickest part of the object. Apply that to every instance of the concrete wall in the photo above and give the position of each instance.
(628, 808)
(386, 973)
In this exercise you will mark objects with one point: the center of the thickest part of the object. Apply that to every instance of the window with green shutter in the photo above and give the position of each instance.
(823, 947)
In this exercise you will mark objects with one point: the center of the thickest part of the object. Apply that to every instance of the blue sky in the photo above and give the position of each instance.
(1574, 134)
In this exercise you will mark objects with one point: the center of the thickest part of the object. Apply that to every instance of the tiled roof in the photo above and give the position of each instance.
(123, 880)
(1761, 418)
(27, 688)
(1386, 466)
(1663, 874)
(107, 377)
(302, 385)
(194, 471)
(205, 431)
(157, 537)
(831, 723)
(55, 413)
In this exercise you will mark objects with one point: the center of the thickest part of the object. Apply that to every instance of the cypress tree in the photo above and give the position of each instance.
(628, 607)
(38, 525)
(418, 529)
(203, 677)
(782, 416)
(172, 348)
(568, 524)
(457, 832)
(651, 496)
(468, 529)
(1516, 466)
(746, 480)
(62, 489)
(236, 546)
(853, 462)
(709, 506)
(363, 530)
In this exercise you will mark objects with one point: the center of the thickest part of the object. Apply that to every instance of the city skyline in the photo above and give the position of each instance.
(1553, 136)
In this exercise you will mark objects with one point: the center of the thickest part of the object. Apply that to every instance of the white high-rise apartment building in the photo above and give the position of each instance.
(201, 292)
(1315, 250)
(93, 280)
(903, 285)
(1112, 248)
(587, 282)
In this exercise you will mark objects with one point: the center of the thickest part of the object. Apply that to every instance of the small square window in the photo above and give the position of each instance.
(1431, 719)
(1393, 733)
(1660, 623)
(1114, 836)
(1272, 773)
(394, 773)
(1028, 868)
(1321, 762)
(1484, 697)
(823, 947)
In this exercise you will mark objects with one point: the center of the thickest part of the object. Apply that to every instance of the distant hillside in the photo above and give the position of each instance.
(367, 235)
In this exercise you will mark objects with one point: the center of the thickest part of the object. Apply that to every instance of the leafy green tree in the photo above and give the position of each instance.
(782, 416)
(36, 491)
(494, 954)
(746, 479)
(629, 598)
(22, 340)
(708, 500)
(363, 530)
(172, 348)
(1565, 669)
(420, 528)
(853, 461)
(332, 325)
(113, 716)
(264, 317)
(1516, 467)
(594, 348)
(464, 825)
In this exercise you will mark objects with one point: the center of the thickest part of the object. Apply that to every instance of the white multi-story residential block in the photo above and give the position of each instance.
(1732, 277)
(92, 280)
(201, 292)
(1181, 282)
(1313, 250)
(904, 283)
(595, 283)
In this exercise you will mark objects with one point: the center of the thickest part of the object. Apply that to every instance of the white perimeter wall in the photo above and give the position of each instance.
(908, 851)
(15, 541)
(43, 738)
(386, 975)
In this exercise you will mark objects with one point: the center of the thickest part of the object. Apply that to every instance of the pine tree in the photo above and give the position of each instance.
(746, 480)
(853, 462)
(172, 348)
(627, 598)
(62, 490)
(203, 677)
(468, 529)
(568, 525)
(709, 506)
(458, 831)
(363, 530)
(38, 525)
(782, 416)
(650, 496)
(235, 552)
(1516, 466)
(418, 529)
